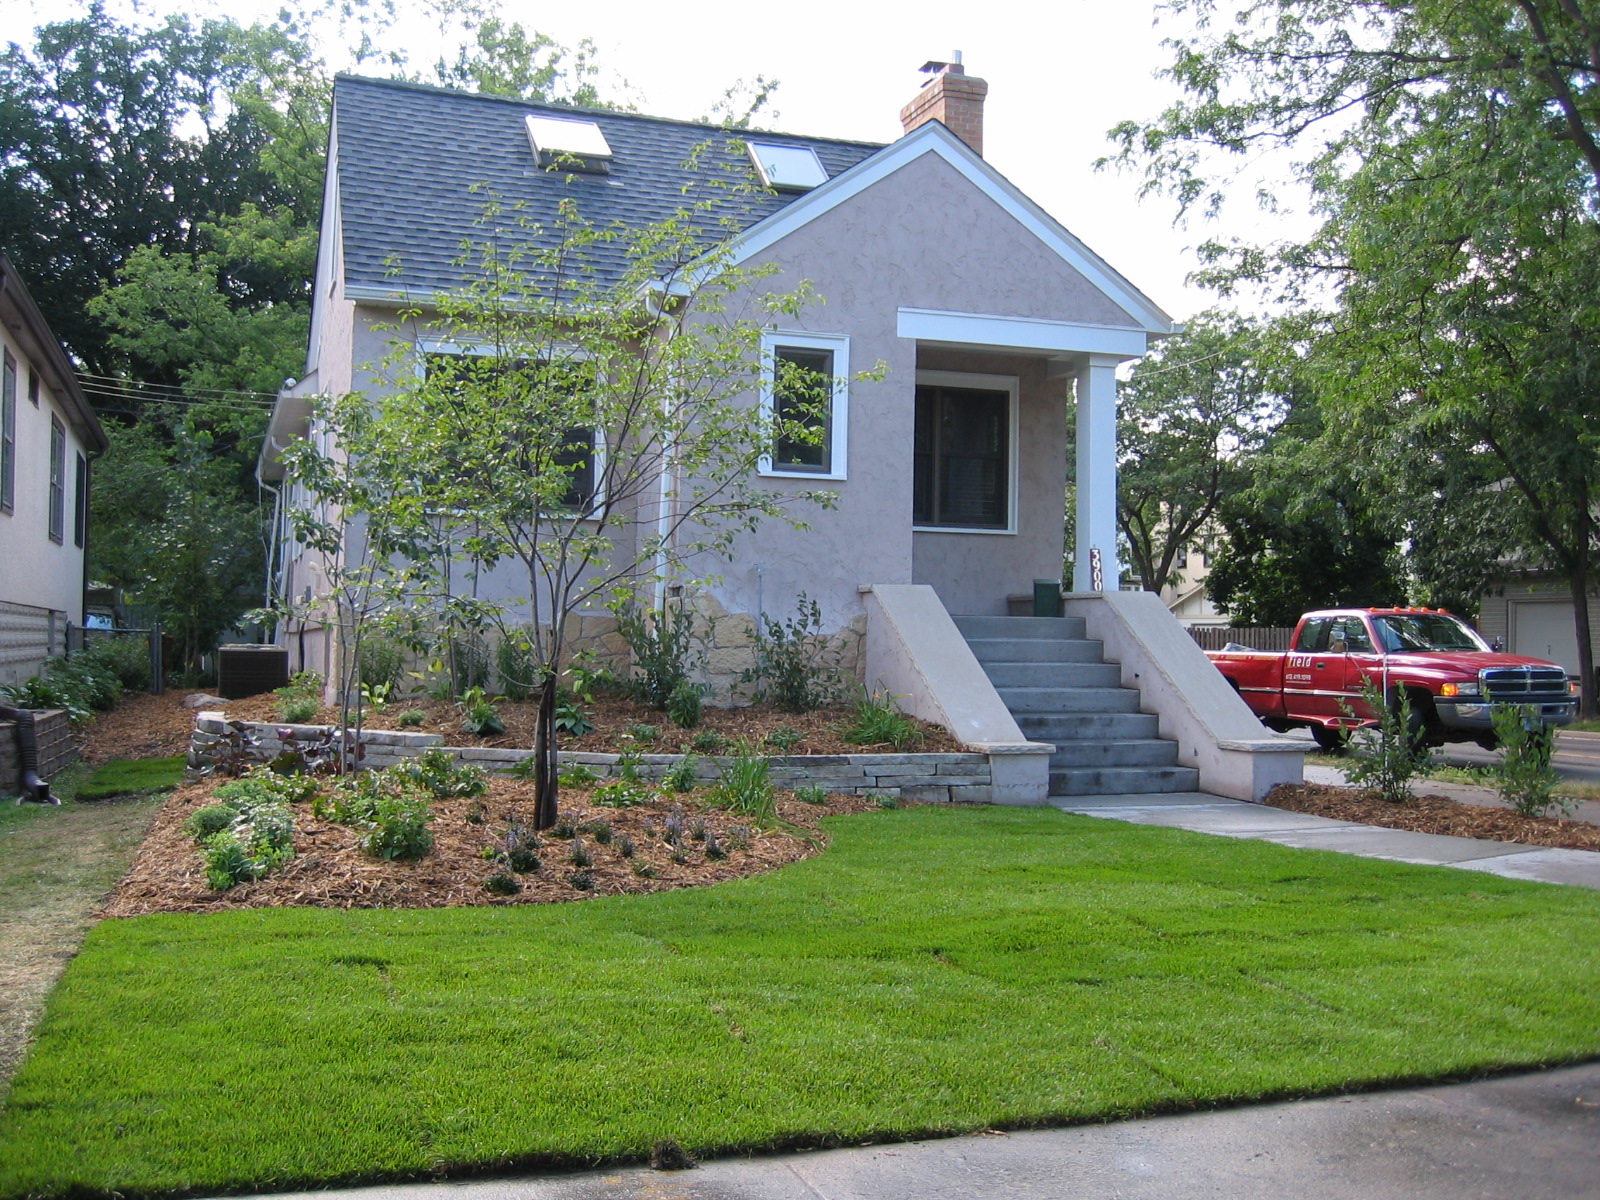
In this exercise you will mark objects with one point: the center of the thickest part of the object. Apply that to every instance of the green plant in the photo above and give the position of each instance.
(376, 695)
(1386, 756)
(680, 777)
(570, 717)
(580, 856)
(576, 775)
(1524, 776)
(411, 718)
(479, 716)
(477, 813)
(259, 838)
(502, 884)
(642, 868)
(647, 735)
(788, 669)
(566, 826)
(127, 656)
(746, 785)
(301, 684)
(709, 741)
(600, 830)
(619, 793)
(784, 738)
(263, 785)
(663, 647)
(684, 704)
(299, 710)
(397, 826)
(625, 846)
(714, 849)
(582, 880)
(380, 663)
(879, 722)
(516, 665)
(523, 860)
(628, 764)
(441, 773)
(203, 823)
(811, 793)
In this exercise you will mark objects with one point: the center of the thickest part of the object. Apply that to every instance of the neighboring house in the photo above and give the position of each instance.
(1531, 613)
(1187, 599)
(996, 324)
(48, 434)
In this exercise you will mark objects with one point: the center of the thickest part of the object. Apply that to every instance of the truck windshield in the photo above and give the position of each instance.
(1407, 633)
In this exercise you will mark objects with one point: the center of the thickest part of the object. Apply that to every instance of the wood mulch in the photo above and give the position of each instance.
(331, 870)
(141, 726)
(1434, 814)
(820, 731)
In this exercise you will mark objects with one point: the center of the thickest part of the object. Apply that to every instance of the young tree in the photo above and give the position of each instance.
(598, 432)
(1189, 417)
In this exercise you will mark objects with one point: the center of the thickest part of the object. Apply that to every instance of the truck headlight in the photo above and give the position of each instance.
(1459, 689)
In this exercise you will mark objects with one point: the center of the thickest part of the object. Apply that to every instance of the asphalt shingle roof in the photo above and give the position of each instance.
(409, 157)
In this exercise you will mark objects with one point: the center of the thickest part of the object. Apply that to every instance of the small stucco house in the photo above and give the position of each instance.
(48, 437)
(996, 327)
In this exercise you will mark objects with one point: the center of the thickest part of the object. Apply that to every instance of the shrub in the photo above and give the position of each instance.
(684, 704)
(298, 711)
(625, 846)
(301, 683)
(880, 722)
(204, 822)
(784, 738)
(680, 777)
(619, 793)
(515, 665)
(40, 693)
(439, 772)
(746, 785)
(128, 658)
(663, 646)
(1386, 756)
(523, 860)
(643, 869)
(1525, 778)
(788, 671)
(501, 884)
(582, 880)
(380, 662)
(91, 676)
(262, 785)
(580, 856)
(566, 826)
(479, 716)
(709, 741)
(647, 735)
(259, 838)
(398, 827)
(411, 718)
(714, 848)
(600, 830)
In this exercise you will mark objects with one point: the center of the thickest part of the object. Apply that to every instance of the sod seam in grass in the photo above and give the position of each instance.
(937, 970)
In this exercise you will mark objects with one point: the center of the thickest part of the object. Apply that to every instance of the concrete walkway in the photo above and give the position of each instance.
(1204, 813)
(1534, 1137)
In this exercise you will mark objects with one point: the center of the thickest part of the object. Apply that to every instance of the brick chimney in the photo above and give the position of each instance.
(951, 97)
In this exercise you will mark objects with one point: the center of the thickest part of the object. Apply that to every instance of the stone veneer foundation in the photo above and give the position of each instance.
(930, 778)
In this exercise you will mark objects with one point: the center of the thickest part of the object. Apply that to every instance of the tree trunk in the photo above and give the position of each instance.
(544, 757)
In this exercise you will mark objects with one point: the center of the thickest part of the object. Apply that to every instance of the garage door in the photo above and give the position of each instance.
(1545, 630)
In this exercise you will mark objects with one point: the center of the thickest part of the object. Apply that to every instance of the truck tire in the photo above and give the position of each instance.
(1330, 740)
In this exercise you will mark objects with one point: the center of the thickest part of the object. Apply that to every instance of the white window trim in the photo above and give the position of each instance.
(1011, 385)
(839, 410)
(427, 346)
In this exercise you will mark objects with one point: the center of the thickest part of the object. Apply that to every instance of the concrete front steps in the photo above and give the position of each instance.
(1060, 689)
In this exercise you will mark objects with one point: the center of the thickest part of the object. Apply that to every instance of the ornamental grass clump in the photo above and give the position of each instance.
(746, 786)
(879, 722)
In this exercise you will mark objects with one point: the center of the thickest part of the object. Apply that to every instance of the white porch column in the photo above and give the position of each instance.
(1097, 473)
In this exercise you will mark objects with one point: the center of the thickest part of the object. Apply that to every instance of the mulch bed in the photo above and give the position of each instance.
(1434, 814)
(820, 731)
(331, 870)
(141, 726)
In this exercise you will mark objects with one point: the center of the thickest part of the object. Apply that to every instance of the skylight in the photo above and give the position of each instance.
(558, 141)
(788, 168)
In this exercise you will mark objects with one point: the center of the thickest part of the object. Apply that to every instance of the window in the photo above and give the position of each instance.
(788, 168)
(33, 385)
(8, 433)
(58, 480)
(80, 503)
(582, 454)
(573, 145)
(805, 386)
(964, 450)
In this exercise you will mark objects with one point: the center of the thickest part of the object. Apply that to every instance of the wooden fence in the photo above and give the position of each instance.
(1257, 637)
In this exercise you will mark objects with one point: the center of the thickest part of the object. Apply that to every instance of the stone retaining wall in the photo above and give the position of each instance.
(936, 778)
(57, 750)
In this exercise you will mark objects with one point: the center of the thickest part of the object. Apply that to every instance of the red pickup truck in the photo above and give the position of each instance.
(1451, 676)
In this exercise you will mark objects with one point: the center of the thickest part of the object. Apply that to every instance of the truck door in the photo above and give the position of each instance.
(1314, 674)
(1362, 660)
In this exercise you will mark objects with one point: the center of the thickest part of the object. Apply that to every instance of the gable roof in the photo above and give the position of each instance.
(417, 164)
(22, 316)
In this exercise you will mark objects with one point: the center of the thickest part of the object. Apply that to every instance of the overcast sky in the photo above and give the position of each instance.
(1060, 75)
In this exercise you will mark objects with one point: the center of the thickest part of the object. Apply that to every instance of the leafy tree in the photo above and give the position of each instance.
(1188, 419)
(170, 530)
(1451, 149)
(592, 442)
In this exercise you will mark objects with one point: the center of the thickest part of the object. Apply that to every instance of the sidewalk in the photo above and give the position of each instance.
(1205, 813)
(1534, 1137)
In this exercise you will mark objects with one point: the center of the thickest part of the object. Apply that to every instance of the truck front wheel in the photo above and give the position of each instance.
(1331, 740)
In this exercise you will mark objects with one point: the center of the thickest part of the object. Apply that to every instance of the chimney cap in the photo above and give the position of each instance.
(935, 67)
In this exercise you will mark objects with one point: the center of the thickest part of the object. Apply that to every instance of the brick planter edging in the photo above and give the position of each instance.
(963, 778)
(57, 750)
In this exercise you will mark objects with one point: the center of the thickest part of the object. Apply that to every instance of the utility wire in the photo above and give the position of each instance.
(172, 387)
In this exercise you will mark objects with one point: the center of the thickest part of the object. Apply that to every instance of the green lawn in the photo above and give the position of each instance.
(937, 970)
(129, 776)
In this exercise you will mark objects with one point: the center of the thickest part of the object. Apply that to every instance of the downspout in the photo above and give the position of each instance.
(34, 789)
